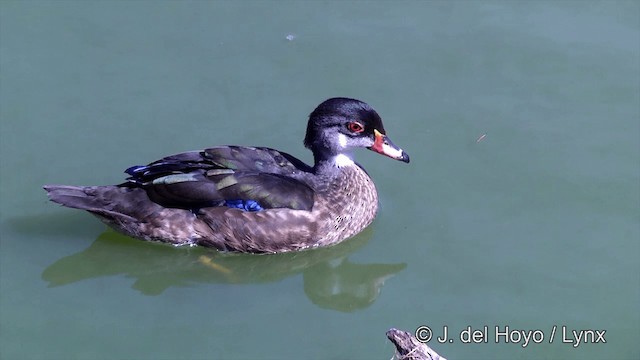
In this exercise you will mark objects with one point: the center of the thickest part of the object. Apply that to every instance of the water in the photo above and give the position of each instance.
(535, 224)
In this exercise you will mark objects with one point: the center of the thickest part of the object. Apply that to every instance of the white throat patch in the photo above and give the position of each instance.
(342, 160)
(342, 140)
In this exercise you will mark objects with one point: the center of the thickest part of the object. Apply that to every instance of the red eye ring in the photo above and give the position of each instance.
(355, 127)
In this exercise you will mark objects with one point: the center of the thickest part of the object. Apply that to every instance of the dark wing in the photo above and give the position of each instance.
(217, 175)
(259, 159)
(239, 158)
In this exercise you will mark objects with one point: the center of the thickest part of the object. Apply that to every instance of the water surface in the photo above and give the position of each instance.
(520, 207)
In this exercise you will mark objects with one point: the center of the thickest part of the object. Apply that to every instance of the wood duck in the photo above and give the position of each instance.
(250, 199)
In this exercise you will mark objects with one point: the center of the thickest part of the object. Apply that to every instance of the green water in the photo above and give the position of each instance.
(535, 224)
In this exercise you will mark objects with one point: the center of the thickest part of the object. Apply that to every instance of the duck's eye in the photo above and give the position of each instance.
(355, 127)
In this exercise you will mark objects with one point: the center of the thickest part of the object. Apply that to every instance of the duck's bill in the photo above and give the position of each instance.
(384, 146)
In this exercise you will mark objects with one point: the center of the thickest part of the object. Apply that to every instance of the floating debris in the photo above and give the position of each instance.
(409, 347)
(290, 37)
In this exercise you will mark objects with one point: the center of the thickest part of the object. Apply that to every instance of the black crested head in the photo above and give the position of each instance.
(338, 125)
(337, 112)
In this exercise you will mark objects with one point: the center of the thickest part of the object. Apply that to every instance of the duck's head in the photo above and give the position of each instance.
(339, 125)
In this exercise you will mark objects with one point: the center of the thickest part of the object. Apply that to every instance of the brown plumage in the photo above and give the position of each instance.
(250, 199)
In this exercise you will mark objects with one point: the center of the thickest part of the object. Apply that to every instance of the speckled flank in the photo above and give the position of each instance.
(353, 206)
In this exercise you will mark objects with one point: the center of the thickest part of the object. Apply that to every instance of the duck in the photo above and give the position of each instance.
(251, 199)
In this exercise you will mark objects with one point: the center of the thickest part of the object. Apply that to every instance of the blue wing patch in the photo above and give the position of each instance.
(246, 205)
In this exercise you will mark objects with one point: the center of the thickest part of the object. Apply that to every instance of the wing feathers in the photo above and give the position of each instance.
(226, 173)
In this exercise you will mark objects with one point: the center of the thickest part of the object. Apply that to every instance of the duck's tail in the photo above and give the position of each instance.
(117, 206)
(128, 210)
(95, 199)
(77, 197)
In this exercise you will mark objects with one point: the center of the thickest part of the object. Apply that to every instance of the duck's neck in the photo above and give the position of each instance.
(326, 164)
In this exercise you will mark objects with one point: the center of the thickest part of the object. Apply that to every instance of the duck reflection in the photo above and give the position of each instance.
(331, 281)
